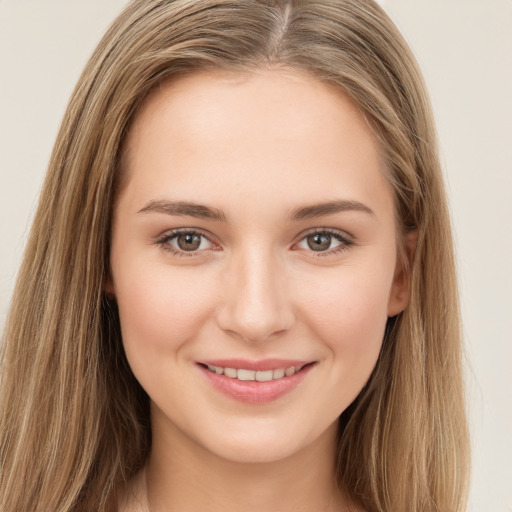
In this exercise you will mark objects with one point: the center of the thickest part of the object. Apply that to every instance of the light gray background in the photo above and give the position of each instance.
(465, 50)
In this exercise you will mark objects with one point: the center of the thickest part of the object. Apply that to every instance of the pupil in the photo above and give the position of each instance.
(189, 242)
(319, 242)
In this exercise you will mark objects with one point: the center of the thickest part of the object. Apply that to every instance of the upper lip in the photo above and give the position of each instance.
(260, 365)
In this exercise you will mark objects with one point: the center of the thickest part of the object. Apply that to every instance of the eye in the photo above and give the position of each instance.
(324, 241)
(181, 242)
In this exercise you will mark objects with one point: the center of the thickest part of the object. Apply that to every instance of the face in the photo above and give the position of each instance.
(254, 259)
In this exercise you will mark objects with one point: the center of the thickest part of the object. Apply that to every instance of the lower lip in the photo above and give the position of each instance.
(254, 392)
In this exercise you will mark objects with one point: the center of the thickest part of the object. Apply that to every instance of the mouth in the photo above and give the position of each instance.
(245, 374)
(255, 382)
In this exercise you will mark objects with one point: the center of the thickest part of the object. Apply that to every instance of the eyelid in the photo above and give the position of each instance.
(163, 239)
(345, 238)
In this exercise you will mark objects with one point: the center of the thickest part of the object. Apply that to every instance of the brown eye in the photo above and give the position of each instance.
(185, 242)
(189, 241)
(319, 241)
(324, 242)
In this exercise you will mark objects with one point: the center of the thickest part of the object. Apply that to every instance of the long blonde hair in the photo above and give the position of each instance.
(74, 422)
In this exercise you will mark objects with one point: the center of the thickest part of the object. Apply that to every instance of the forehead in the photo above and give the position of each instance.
(263, 131)
(203, 99)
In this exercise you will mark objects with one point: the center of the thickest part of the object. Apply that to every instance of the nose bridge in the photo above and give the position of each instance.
(256, 303)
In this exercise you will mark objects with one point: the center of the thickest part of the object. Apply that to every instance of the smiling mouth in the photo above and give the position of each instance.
(243, 374)
(255, 382)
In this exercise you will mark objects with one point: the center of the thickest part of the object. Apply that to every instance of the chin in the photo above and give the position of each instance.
(257, 452)
(267, 443)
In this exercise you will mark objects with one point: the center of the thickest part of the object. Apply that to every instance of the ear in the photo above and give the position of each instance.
(401, 287)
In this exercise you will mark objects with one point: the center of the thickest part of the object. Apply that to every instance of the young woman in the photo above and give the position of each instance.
(239, 289)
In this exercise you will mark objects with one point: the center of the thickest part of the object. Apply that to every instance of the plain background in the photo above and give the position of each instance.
(465, 50)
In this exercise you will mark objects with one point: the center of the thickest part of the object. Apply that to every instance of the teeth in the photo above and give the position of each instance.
(264, 376)
(278, 374)
(230, 372)
(260, 376)
(246, 374)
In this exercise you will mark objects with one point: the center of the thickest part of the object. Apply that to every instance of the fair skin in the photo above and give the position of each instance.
(257, 277)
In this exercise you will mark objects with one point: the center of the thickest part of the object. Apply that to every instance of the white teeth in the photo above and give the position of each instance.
(278, 374)
(264, 376)
(246, 374)
(260, 376)
(230, 372)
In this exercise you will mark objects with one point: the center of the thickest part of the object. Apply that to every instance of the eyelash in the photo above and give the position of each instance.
(345, 241)
(164, 240)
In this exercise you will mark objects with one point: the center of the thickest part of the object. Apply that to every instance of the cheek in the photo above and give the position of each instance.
(348, 313)
(160, 310)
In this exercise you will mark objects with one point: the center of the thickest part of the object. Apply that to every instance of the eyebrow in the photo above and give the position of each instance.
(184, 208)
(190, 209)
(328, 208)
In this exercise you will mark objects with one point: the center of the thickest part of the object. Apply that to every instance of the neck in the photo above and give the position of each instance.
(183, 477)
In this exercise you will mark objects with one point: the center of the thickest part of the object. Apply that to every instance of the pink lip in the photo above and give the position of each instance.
(254, 392)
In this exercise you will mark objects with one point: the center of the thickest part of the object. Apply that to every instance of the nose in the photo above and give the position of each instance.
(256, 304)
